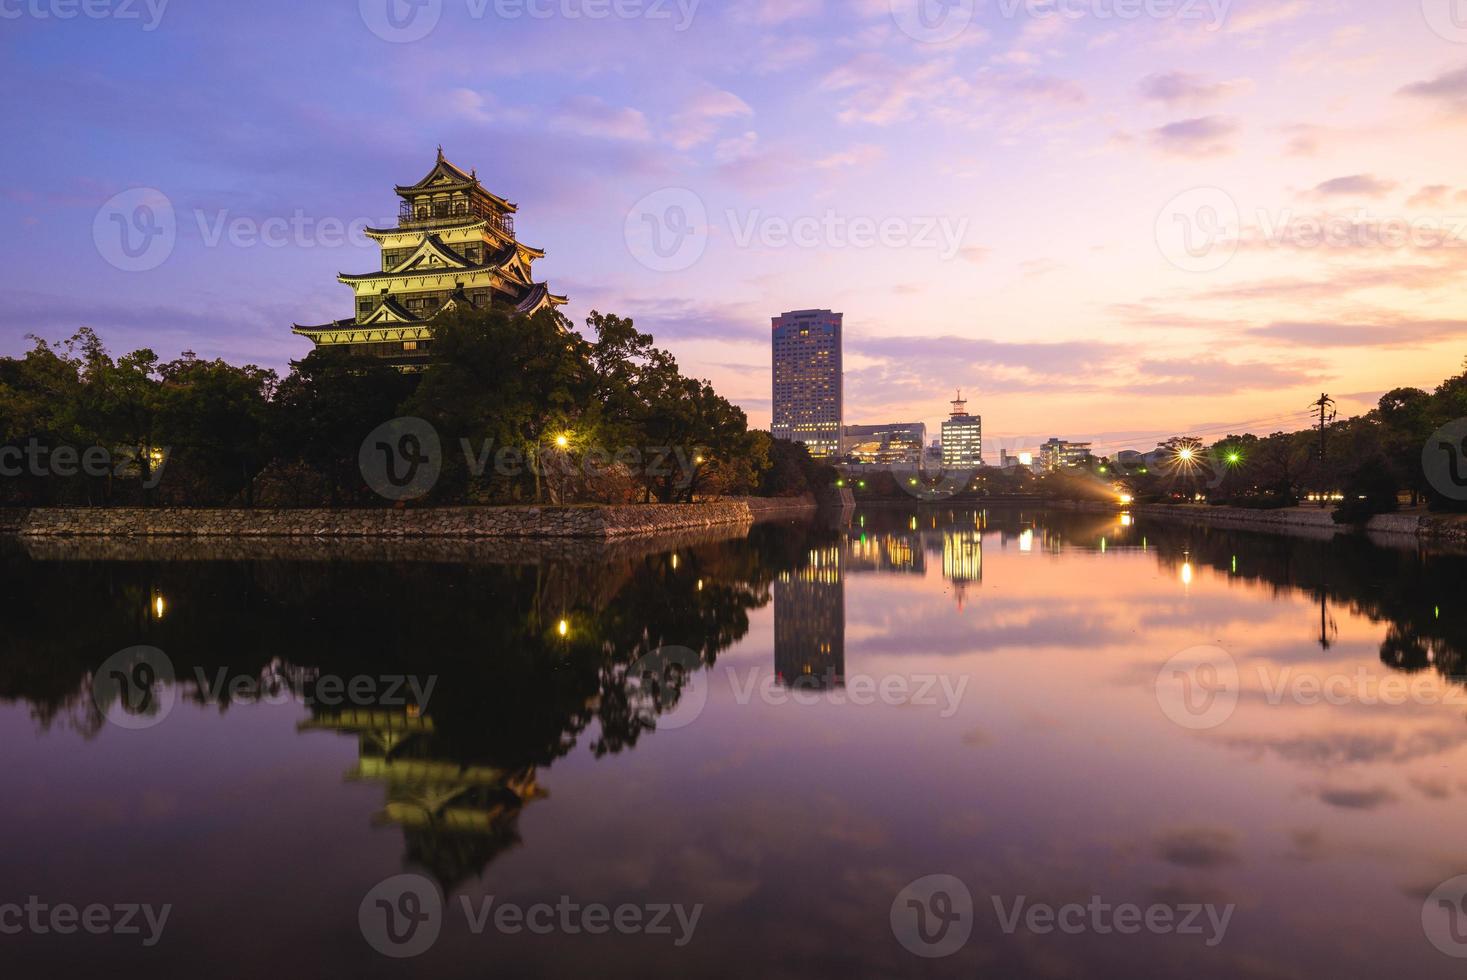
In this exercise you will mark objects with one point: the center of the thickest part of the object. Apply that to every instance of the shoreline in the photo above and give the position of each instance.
(581, 522)
(1451, 528)
(1310, 521)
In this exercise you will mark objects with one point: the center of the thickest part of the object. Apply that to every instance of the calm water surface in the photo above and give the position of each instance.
(989, 696)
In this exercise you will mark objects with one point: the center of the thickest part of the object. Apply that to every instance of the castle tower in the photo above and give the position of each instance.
(454, 244)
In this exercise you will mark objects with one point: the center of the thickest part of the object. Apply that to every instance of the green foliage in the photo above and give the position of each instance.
(610, 419)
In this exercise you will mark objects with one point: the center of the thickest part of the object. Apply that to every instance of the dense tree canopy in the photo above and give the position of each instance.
(524, 409)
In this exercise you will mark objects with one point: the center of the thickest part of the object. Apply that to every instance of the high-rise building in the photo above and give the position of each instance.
(807, 380)
(1058, 453)
(895, 443)
(454, 246)
(962, 437)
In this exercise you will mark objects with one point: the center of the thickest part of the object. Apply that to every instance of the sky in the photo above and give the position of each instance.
(1115, 220)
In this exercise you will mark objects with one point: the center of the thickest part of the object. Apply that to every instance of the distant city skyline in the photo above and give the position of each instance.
(1054, 151)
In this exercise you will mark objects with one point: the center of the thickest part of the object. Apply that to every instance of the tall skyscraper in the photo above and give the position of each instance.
(962, 437)
(807, 379)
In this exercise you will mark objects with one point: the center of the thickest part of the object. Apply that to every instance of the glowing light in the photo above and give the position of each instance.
(698, 460)
(1125, 520)
(562, 627)
(1185, 455)
(1026, 459)
(700, 585)
(674, 560)
(159, 607)
(1234, 458)
(562, 440)
(1127, 499)
(1186, 573)
(1026, 540)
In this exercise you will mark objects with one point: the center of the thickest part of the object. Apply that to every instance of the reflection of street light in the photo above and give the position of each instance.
(159, 606)
(562, 627)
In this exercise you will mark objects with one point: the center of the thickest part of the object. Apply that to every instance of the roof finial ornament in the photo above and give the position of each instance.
(440, 152)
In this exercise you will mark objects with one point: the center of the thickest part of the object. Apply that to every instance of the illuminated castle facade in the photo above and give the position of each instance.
(453, 246)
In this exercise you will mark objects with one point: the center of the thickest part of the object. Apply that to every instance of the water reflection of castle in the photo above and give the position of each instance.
(810, 601)
(455, 817)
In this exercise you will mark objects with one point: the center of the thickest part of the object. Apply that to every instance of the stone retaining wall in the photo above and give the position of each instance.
(446, 522)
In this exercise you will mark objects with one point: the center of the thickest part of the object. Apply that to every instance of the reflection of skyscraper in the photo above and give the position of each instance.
(885, 552)
(962, 560)
(810, 623)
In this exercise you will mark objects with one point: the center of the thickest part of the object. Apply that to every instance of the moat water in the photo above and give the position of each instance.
(1128, 749)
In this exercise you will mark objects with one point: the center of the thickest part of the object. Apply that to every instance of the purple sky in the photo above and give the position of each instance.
(1100, 218)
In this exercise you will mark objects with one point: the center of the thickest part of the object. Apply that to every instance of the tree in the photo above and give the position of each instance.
(330, 402)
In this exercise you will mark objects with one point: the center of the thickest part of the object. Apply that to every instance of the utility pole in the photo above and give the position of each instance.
(1326, 408)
